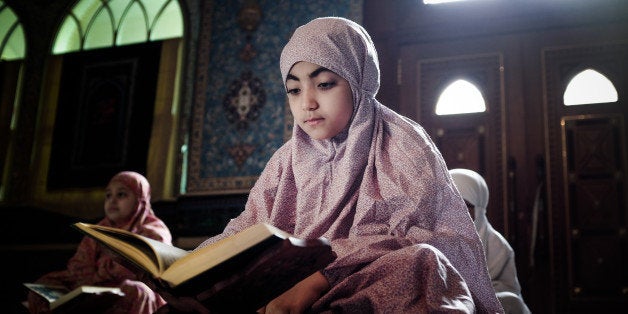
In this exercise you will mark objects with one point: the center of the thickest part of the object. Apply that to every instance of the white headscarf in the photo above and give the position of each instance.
(499, 253)
(474, 190)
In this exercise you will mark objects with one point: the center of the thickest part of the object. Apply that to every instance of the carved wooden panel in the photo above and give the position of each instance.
(463, 148)
(595, 202)
(587, 163)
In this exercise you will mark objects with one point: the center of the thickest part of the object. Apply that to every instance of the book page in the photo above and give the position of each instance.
(160, 253)
(97, 291)
(209, 256)
(48, 292)
(149, 254)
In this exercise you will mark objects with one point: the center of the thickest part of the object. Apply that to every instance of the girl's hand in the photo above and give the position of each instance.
(175, 304)
(300, 297)
(181, 305)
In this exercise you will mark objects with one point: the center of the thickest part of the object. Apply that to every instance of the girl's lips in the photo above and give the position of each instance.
(314, 121)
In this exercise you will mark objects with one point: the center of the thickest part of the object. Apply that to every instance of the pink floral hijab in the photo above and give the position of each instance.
(143, 221)
(90, 265)
(379, 186)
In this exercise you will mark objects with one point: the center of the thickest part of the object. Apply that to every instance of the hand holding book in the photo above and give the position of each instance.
(300, 297)
(185, 304)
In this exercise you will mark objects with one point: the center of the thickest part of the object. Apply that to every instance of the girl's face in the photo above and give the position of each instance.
(320, 100)
(120, 203)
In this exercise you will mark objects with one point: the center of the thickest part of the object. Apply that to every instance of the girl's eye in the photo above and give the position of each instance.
(327, 85)
(293, 91)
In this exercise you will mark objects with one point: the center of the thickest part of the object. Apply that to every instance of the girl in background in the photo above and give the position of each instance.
(500, 257)
(127, 206)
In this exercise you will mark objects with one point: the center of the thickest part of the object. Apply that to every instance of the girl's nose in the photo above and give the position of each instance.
(309, 101)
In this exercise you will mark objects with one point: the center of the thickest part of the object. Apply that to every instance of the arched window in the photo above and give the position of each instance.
(94, 24)
(461, 96)
(589, 87)
(12, 53)
(12, 43)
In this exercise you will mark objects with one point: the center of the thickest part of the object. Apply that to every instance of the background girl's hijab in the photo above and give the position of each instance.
(140, 187)
(499, 254)
(473, 189)
(136, 182)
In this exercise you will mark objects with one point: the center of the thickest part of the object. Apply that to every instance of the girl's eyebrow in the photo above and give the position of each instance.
(318, 71)
(314, 74)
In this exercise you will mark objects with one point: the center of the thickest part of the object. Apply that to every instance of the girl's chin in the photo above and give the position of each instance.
(116, 220)
(318, 135)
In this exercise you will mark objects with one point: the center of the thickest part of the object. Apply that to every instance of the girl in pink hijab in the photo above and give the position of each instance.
(127, 206)
(370, 181)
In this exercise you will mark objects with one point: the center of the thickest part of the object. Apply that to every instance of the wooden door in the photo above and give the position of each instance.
(587, 180)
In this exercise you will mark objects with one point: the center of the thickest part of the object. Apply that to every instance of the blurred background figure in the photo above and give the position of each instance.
(126, 206)
(500, 257)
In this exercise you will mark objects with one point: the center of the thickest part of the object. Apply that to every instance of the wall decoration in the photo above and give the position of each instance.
(226, 155)
(240, 152)
(245, 99)
(248, 18)
(104, 115)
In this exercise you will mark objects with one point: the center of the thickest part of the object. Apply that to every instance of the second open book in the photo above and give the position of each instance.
(83, 299)
(253, 266)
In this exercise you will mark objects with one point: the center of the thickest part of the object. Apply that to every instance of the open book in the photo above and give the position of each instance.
(84, 299)
(243, 271)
